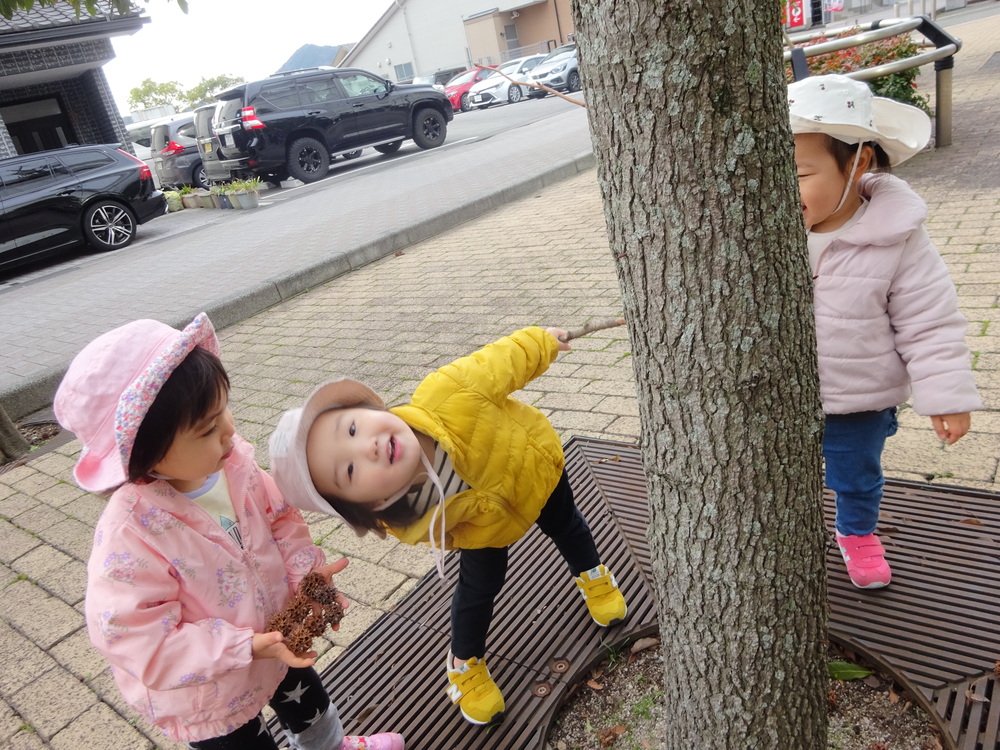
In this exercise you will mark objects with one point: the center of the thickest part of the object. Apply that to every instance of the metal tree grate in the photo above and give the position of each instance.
(934, 627)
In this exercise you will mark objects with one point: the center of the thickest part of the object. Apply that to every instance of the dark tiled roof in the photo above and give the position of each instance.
(59, 15)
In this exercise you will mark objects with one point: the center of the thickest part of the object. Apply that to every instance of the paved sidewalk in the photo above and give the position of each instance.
(543, 259)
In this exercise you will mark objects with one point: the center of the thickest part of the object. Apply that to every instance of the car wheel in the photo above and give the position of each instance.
(514, 94)
(464, 103)
(353, 154)
(308, 160)
(389, 148)
(429, 128)
(573, 82)
(108, 225)
(199, 178)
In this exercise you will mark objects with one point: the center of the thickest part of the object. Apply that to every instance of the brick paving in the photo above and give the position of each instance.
(543, 259)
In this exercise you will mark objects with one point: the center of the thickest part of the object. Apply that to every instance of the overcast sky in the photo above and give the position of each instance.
(248, 38)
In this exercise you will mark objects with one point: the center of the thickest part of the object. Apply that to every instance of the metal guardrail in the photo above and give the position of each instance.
(943, 57)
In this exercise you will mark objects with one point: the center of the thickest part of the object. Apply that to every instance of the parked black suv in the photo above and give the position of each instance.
(293, 123)
(55, 200)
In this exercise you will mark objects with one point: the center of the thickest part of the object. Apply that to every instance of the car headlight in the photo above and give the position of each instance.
(558, 68)
(494, 87)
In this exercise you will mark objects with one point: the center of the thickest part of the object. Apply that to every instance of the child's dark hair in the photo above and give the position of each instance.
(190, 393)
(844, 154)
(397, 515)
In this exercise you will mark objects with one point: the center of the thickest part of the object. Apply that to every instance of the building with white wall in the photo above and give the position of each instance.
(419, 37)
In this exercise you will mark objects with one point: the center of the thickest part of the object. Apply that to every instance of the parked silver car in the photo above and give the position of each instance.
(558, 71)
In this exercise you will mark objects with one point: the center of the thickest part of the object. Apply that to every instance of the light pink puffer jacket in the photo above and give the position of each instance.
(887, 317)
(173, 601)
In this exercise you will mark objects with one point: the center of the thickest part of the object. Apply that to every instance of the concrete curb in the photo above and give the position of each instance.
(38, 390)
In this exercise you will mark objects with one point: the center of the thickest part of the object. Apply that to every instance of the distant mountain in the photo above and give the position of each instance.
(313, 55)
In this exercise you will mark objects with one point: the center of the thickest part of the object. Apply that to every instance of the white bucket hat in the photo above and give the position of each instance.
(846, 109)
(287, 445)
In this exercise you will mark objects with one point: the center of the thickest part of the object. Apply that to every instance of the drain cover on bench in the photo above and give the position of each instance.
(936, 626)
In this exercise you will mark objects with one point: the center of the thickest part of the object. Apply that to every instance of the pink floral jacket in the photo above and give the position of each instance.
(173, 602)
(887, 317)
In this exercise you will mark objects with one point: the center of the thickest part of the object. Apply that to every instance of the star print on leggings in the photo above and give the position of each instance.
(317, 717)
(295, 695)
(263, 726)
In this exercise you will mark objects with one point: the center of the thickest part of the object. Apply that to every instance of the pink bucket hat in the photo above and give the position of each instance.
(287, 445)
(110, 386)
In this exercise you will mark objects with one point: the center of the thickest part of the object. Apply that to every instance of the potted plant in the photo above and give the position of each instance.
(247, 192)
(219, 197)
(204, 198)
(189, 198)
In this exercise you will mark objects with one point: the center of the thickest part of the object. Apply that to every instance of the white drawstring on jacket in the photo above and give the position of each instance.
(850, 180)
(436, 481)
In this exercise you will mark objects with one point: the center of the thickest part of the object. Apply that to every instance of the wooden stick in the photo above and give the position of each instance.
(594, 325)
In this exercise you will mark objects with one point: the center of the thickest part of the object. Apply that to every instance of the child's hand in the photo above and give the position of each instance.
(951, 427)
(327, 572)
(560, 335)
(271, 646)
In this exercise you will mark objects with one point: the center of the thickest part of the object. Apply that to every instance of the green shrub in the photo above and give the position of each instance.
(899, 86)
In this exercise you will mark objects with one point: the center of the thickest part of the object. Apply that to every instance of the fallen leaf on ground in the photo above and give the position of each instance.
(595, 685)
(643, 643)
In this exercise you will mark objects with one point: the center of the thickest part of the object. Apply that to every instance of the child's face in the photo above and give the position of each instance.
(822, 183)
(200, 450)
(362, 455)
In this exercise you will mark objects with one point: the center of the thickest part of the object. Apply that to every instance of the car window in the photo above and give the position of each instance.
(319, 90)
(359, 84)
(529, 64)
(275, 96)
(141, 135)
(507, 68)
(85, 161)
(161, 135)
(186, 130)
(462, 78)
(558, 52)
(26, 176)
(227, 111)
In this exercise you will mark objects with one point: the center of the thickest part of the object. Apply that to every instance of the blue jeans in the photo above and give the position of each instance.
(852, 452)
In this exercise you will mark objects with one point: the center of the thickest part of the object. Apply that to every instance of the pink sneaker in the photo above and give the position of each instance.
(866, 565)
(383, 741)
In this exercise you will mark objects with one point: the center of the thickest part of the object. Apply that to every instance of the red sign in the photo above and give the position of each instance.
(795, 13)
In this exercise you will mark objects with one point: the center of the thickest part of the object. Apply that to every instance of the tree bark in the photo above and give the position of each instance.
(688, 113)
(12, 445)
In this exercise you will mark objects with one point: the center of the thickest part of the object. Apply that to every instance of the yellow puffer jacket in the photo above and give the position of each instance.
(506, 451)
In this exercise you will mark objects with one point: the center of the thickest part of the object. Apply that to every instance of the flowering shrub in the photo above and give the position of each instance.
(899, 86)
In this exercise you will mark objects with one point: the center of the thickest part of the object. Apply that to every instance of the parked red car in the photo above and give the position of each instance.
(457, 89)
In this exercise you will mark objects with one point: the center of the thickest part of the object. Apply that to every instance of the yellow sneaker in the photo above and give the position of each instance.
(604, 600)
(473, 689)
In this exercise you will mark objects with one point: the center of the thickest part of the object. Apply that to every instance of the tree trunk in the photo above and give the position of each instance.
(688, 111)
(12, 445)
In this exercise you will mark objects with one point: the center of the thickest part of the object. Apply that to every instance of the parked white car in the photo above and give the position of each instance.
(495, 88)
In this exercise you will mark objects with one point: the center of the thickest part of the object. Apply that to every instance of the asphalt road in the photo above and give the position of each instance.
(235, 263)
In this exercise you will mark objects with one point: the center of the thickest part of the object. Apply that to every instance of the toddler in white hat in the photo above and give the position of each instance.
(195, 550)
(887, 318)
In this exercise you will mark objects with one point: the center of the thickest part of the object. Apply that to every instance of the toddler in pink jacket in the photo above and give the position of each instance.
(195, 550)
(887, 317)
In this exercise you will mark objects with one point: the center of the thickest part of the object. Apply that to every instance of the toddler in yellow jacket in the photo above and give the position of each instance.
(462, 466)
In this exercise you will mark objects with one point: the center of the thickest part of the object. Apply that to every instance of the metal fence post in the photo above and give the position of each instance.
(942, 115)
